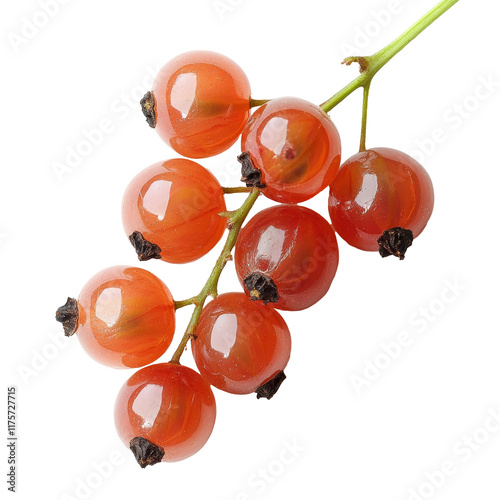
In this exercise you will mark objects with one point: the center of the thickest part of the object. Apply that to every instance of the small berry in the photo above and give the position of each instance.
(199, 104)
(171, 211)
(164, 412)
(288, 256)
(380, 200)
(294, 146)
(124, 317)
(240, 345)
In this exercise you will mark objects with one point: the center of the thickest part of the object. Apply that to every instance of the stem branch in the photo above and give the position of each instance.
(373, 64)
(235, 221)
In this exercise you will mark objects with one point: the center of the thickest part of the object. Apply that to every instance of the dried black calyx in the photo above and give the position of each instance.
(68, 316)
(148, 106)
(261, 287)
(270, 388)
(145, 452)
(251, 176)
(395, 241)
(144, 248)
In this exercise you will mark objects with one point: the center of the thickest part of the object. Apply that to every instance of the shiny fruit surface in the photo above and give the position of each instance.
(240, 344)
(294, 247)
(169, 405)
(202, 102)
(376, 190)
(126, 317)
(295, 146)
(175, 204)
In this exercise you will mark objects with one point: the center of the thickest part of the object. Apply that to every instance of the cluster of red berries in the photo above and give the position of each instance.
(286, 256)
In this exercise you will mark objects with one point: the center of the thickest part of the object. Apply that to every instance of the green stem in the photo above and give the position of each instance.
(364, 117)
(370, 66)
(235, 221)
(183, 303)
(258, 102)
(241, 189)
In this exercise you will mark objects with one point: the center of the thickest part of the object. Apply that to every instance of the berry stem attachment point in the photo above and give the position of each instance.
(370, 66)
(235, 221)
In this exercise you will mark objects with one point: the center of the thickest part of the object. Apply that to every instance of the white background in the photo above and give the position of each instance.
(378, 442)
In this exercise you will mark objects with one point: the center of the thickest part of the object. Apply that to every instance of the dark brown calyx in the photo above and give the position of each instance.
(270, 388)
(145, 452)
(261, 287)
(144, 248)
(251, 176)
(148, 106)
(395, 241)
(68, 316)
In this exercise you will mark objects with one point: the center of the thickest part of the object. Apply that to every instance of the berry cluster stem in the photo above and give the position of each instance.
(370, 66)
(235, 220)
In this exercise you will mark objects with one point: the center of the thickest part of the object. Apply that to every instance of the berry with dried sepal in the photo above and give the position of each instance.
(199, 103)
(165, 413)
(287, 256)
(124, 317)
(241, 346)
(171, 209)
(292, 150)
(381, 199)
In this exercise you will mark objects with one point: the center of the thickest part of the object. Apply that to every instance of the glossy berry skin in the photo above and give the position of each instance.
(293, 246)
(126, 317)
(202, 102)
(240, 344)
(376, 190)
(295, 146)
(168, 404)
(175, 205)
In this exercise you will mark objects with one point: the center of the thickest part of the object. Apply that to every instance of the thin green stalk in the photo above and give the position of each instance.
(364, 117)
(183, 303)
(232, 190)
(373, 64)
(235, 221)
(257, 102)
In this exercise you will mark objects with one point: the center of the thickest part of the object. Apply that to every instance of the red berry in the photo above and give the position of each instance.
(124, 318)
(240, 345)
(287, 255)
(165, 412)
(174, 205)
(202, 102)
(378, 190)
(295, 146)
